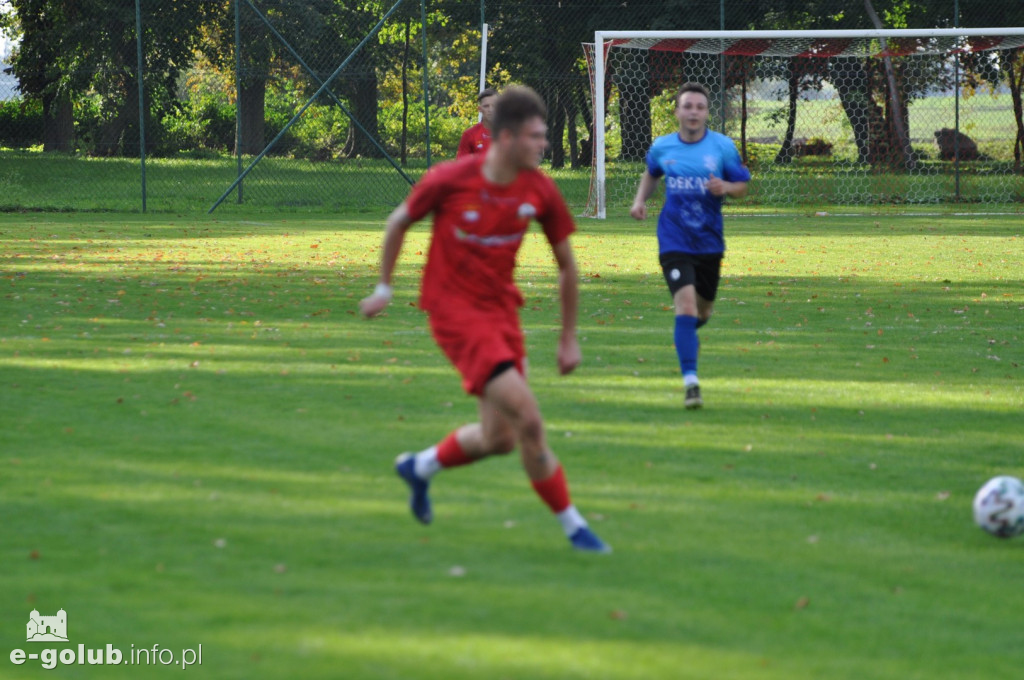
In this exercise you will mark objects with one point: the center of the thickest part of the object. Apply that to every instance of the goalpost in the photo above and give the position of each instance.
(914, 117)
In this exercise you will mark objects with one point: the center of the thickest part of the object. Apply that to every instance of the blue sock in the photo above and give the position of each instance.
(687, 344)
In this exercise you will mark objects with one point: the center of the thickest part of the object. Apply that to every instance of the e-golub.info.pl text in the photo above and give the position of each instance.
(110, 656)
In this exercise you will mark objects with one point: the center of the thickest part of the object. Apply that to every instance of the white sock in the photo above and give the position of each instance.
(690, 379)
(425, 463)
(571, 520)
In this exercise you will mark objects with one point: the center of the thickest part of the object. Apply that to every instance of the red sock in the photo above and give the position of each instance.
(450, 453)
(554, 491)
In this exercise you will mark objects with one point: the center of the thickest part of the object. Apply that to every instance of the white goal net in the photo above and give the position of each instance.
(863, 119)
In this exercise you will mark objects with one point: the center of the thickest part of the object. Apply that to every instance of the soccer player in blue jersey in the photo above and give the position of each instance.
(700, 167)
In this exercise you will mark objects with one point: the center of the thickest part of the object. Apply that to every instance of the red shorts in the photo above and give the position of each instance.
(476, 343)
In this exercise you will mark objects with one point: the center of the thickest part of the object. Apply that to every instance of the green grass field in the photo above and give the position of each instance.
(198, 434)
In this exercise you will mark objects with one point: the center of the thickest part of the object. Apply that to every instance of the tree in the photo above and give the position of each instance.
(1013, 65)
(801, 75)
(898, 117)
(993, 69)
(362, 78)
(1002, 66)
(39, 68)
(874, 95)
(540, 46)
(305, 27)
(71, 47)
(453, 40)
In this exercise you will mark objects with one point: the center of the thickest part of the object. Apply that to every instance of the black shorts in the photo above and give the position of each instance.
(700, 271)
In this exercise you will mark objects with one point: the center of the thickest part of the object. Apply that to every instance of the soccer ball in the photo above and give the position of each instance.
(999, 507)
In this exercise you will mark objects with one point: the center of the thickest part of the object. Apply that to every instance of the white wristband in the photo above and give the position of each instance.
(382, 290)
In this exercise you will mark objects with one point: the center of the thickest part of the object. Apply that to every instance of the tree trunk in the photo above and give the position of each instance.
(570, 116)
(852, 81)
(120, 134)
(785, 154)
(36, 66)
(364, 107)
(556, 113)
(251, 112)
(635, 111)
(882, 154)
(1016, 82)
(743, 111)
(113, 137)
(896, 106)
(586, 155)
(58, 124)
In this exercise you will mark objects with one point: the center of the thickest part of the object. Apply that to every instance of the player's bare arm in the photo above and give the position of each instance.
(647, 185)
(569, 354)
(397, 224)
(719, 187)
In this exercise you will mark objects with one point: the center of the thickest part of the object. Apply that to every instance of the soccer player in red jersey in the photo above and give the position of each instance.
(482, 206)
(477, 138)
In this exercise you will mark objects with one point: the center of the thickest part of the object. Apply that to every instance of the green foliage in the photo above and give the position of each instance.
(204, 124)
(445, 129)
(88, 120)
(21, 123)
(898, 14)
(203, 116)
(759, 154)
(321, 133)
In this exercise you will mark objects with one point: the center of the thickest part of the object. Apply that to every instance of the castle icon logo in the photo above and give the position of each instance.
(47, 628)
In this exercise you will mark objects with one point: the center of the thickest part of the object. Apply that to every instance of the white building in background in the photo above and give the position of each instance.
(8, 83)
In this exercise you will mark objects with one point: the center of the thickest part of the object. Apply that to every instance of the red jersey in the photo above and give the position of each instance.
(478, 228)
(475, 139)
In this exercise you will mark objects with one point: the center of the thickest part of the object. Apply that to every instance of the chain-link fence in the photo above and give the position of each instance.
(324, 104)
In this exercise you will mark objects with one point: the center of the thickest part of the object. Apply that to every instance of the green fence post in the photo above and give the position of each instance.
(142, 100)
(956, 109)
(426, 86)
(238, 96)
(721, 71)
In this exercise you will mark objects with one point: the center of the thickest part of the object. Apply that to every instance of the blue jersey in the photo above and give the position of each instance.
(691, 220)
